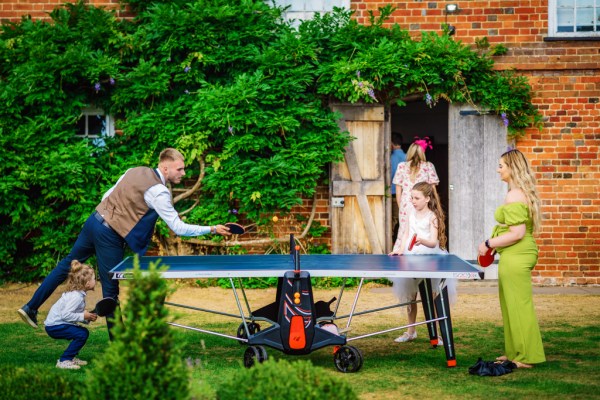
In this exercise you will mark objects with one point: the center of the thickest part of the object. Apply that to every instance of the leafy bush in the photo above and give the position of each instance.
(18, 383)
(232, 85)
(281, 379)
(143, 361)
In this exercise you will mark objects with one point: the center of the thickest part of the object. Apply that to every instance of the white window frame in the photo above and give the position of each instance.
(553, 23)
(300, 10)
(109, 131)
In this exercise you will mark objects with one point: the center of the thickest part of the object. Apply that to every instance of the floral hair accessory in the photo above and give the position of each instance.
(424, 143)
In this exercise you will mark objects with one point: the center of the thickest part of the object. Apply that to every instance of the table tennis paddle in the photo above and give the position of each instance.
(412, 242)
(487, 259)
(235, 229)
(105, 307)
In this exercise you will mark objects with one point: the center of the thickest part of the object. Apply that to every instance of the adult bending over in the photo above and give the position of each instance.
(518, 218)
(126, 215)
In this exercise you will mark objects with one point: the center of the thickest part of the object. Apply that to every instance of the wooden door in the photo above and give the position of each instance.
(358, 204)
(475, 143)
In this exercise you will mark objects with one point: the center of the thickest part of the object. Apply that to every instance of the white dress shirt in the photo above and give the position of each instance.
(159, 199)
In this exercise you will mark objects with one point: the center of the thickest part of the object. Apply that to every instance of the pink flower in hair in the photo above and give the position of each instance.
(424, 143)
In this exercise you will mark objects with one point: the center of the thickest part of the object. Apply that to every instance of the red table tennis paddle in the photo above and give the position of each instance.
(487, 259)
(235, 229)
(412, 242)
(105, 307)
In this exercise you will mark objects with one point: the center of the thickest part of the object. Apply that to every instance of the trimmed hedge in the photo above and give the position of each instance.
(281, 379)
(39, 384)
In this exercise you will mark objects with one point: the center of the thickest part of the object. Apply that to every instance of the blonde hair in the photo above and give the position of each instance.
(435, 205)
(414, 157)
(79, 275)
(170, 154)
(522, 178)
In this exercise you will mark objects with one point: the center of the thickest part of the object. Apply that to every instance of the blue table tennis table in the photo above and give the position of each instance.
(298, 324)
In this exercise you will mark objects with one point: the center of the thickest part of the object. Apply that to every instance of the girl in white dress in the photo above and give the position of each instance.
(426, 221)
(415, 169)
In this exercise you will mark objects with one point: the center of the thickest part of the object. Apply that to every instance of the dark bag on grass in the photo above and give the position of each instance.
(491, 368)
(322, 308)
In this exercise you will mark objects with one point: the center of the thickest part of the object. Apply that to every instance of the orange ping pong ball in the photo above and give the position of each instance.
(275, 219)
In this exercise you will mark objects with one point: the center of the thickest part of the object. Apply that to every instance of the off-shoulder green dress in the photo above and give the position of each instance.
(522, 338)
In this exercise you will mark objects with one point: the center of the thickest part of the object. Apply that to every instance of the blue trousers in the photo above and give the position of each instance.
(94, 238)
(78, 335)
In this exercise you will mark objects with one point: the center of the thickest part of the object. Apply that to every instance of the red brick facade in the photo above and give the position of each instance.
(565, 77)
(13, 10)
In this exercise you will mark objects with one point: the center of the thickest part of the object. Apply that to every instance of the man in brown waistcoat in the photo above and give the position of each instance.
(126, 215)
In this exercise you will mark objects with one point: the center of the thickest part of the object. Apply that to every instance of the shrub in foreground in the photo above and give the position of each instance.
(38, 384)
(281, 379)
(143, 361)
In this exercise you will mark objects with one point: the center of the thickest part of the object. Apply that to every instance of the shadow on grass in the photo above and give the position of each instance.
(390, 370)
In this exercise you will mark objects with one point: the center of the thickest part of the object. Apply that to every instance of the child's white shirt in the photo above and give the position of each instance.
(421, 226)
(407, 288)
(69, 309)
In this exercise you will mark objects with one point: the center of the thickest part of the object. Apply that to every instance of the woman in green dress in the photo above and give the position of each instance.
(518, 218)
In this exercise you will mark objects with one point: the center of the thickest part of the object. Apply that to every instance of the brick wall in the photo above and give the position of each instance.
(290, 223)
(13, 10)
(564, 156)
(502, 21)
(565, 77)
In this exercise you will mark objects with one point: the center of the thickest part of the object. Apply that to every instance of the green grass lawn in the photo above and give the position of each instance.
(569, 325)
(390, 370)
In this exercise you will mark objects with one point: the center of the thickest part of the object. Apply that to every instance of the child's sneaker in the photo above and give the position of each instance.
(67, 364)
(79, 362)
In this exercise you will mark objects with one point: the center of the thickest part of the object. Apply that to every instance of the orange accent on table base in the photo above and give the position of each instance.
(297, 338)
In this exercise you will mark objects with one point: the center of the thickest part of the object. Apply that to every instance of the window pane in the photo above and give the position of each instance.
(96, 125)
(316, 5)
(309, 6)
(585, 3)
(565, 4)
(565, 20)
(81, 126)
(297, 5)
(585, 20)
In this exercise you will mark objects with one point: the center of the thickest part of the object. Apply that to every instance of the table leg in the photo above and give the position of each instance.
(442, 307)
(428, 309)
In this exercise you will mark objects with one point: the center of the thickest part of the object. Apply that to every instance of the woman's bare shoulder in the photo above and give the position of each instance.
(516, 196)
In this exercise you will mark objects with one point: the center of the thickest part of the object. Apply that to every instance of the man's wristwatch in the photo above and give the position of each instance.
(487, 244)
(213, 229)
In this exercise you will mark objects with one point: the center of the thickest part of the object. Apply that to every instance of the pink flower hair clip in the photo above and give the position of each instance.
(424, 143)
